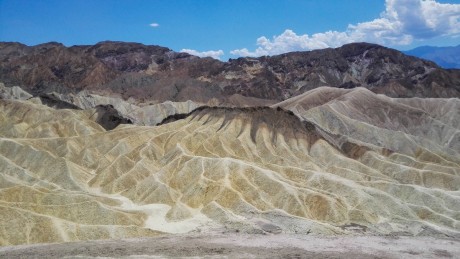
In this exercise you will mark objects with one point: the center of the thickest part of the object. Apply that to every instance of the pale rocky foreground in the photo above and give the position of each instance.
(246, 246)
(342, 162)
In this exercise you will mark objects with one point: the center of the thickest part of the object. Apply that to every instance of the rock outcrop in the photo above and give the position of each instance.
(127, 112)
(14, 92)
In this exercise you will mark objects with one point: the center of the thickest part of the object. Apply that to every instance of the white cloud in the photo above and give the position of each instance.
(426, 19)
(402, 22)
(290, 41)
(154, 25)
(210, 53)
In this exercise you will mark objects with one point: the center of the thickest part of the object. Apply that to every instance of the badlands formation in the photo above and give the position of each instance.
(133, 149)
(327, 162)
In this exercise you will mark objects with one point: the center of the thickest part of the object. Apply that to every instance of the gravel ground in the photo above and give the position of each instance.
(245, 246)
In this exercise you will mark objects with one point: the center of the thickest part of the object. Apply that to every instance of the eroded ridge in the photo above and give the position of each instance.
(254, 170)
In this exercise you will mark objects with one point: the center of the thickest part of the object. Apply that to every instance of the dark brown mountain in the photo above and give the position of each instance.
(157, 74)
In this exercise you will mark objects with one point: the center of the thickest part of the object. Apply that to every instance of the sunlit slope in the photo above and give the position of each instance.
(425, 128)
(44, 197)
(248, 169)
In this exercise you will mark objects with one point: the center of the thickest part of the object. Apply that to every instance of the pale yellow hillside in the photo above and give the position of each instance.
(64, 178)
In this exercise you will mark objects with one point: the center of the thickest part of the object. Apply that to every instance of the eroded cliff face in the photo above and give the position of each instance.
(331, 161)
(157, 74)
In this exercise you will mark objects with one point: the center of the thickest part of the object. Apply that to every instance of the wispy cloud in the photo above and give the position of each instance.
(154, 25)
(210, 53)
(402, 22)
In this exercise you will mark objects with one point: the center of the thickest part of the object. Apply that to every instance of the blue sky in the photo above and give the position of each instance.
(228, 29)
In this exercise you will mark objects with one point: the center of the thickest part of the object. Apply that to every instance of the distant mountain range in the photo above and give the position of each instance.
(155, 74)
(446, 57)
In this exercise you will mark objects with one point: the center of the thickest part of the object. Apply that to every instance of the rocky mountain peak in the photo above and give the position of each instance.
(134, 70)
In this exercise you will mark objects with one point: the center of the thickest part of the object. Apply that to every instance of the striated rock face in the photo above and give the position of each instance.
(139, 113)
(324, 167)
(126, 112)
(14, 92)
(156, 74)
(416, 127)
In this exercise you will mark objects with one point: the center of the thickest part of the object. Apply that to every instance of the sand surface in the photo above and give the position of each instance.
(245, 246)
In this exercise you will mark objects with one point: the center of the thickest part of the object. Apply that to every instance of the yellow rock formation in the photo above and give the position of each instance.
(343, 162)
